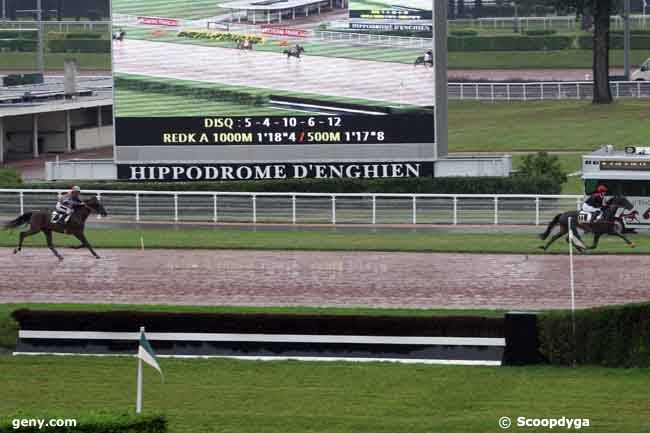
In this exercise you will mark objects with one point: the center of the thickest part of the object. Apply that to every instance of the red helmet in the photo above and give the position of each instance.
(601, 189)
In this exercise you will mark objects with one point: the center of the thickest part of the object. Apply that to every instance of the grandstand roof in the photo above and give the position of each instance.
(50, 96)
(267, 5)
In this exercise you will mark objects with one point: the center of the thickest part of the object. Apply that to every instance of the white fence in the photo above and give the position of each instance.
(307, 208)
(370, 39)
(545, 23)
(543, 90)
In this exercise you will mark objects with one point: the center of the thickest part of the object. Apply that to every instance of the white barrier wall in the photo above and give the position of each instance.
(93, 138)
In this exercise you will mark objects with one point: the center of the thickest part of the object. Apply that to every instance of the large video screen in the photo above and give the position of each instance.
(270, 89)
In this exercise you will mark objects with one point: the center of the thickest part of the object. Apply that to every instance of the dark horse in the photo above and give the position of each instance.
(40, 222)
(610, 224)
(420, 61)
(294, 51)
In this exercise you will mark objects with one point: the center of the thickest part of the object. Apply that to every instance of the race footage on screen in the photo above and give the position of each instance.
(246, 89)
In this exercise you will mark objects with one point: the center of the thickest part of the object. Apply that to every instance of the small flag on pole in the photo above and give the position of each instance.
(146, 354)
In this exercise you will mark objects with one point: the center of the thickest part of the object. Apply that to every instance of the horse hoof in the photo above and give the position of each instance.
(16, 250)
(97, 257)
(632, 245)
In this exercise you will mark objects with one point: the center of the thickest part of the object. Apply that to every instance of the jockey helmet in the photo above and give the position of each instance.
(601, 189)
(75, 189)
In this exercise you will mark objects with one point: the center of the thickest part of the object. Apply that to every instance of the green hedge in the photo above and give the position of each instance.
(642, 32)
(510, 43)
(80, 45)
(617, 42)
(75, 35)
(22, 45)
(10, 176)
(179, 88)
(19, 34)
(94, 422)
(611, 336)
(463, 33)
(441, 185)
(540, 32)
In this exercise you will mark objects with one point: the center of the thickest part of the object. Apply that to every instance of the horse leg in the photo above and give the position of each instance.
(22, 236)
(596, 239)
(580, 245)
(627, 241)
(563, 231)
(50, 245)
(85, 243)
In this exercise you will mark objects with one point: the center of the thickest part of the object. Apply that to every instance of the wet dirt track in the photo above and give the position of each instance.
(371, 279)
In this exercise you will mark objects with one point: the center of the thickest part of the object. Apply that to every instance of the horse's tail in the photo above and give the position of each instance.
(552, 224)
(20, 221)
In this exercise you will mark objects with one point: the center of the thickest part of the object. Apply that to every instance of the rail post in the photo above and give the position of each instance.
(137, 206)
(541, 91)
(333, 209)
(175, 207)
(492, 92)
(21, 200)
(536, 211)
(578, 203)
(414, 212)
(525, 96)
(215, 214)
(496, 210)
(455, 210)
(508, 92)
(559, 90)
(638, 89)
(293, 209)
(254, 199)
(374, 209)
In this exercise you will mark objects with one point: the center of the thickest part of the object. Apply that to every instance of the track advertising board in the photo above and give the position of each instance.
(264, 101)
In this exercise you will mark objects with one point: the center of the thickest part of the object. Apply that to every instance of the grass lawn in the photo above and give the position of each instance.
(287, 397)
(168, 8)
(135, 103)
(548, 125)
(225, 238)
(161, 102)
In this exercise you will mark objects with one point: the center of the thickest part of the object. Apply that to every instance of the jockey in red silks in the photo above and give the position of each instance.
(595, 203)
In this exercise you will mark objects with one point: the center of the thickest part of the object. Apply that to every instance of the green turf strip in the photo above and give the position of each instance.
(362, 240)
(296, 397)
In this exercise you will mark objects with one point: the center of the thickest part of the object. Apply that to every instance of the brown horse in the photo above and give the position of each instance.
(40, 222)
(610, 225)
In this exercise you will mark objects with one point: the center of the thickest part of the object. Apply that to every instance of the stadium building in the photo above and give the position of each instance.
(275, 11)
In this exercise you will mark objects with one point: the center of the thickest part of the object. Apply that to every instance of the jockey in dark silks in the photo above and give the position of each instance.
(67, 203)
(595, 203)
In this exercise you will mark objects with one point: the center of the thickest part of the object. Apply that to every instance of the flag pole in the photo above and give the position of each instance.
(138, 401)
(573, 292)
